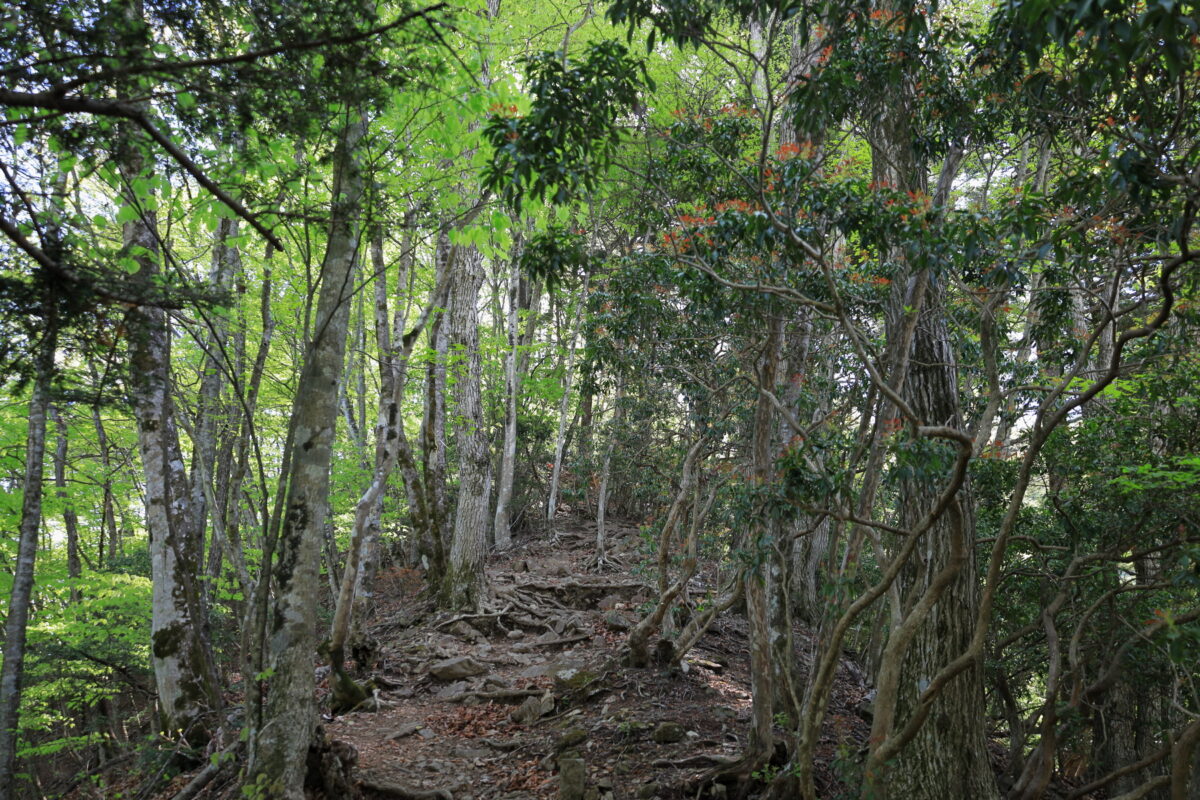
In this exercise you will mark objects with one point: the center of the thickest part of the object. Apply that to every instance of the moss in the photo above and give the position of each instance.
(168, 641)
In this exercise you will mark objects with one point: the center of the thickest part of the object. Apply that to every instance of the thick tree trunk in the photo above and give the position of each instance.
(279, 762)
(21, 596)
(184, 668)
(462, 586)
(939, 594)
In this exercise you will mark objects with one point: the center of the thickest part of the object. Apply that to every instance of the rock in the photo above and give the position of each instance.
(669, 733)
(571, 738)
(718, 791)
(533, 709)
(572, 778)
(723, 712)
(611, 601)
(426, 733)
(616, 621)
(452, 690)
(407, 729)
(573, 678)
(495, 681)
(453, 669)
(467, 632)
(648, 791)
(470, 752)
(516, 633)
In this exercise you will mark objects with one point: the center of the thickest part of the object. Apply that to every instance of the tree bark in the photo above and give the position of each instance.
(502, 525)
(21, 597)
(70, 518)
(184, 667)
(210, 416)
(279, 761)
(561, 437)
(462, 585)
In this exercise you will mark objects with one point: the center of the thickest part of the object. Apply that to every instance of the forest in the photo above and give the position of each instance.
(600, 399)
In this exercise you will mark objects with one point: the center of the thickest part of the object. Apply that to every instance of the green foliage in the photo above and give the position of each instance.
(572, 128)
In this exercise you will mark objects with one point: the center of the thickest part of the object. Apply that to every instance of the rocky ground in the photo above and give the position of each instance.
(531, 700)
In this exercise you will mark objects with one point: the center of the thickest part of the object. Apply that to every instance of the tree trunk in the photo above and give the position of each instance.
(278, 763)
(184, 669)
(433, 427)
(21, 597)
(210, 416)
(462, 585)
(561, 437)
(502, 524)
(108, 515)
(606, 471)
(948, 756)
(70, 519)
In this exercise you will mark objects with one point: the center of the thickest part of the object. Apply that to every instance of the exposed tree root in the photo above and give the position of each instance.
(495, 694)
(394, 789)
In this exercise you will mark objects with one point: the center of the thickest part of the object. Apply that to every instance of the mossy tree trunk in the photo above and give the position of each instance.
(184, 668)
(278, 763)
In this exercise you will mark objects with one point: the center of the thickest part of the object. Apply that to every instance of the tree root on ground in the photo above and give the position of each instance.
(390, 788)
(495, 694)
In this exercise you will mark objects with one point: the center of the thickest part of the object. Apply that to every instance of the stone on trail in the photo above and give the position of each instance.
(453, 669)
(669, 733)
(407, 729)
(572, 778)
(533, 709)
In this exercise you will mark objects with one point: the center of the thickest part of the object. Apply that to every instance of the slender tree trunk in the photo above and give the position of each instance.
(605, 471)
(108, 515)
(760, 579)
(393, 375)
(19, 601)
(279, 763)
(70, 519)
(210, 416)
(502, 525)
(462, 586)
(560, 438)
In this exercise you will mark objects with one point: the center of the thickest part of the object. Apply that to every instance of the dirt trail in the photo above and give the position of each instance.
(497, 705)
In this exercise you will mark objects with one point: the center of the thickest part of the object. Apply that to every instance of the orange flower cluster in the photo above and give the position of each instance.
(499, 109)
(737, 205)
(790, 150)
